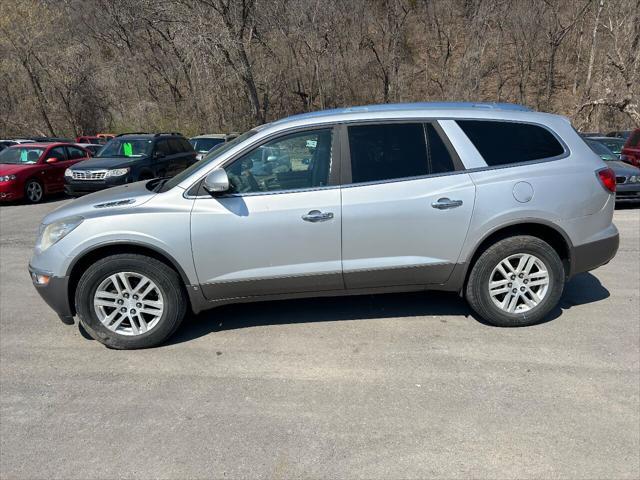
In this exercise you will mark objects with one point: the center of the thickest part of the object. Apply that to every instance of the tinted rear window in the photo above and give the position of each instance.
(502, 143)
(385, 152)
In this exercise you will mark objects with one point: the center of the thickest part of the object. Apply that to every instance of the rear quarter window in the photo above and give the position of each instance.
(504, 143)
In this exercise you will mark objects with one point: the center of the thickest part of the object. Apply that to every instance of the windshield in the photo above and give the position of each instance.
(601, 150)
(203, 145)
(169, 184)
(126, 147)
(613, 144)
(21, 155)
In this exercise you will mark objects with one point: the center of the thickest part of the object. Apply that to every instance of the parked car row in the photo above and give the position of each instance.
(30, 169)
(624, 144)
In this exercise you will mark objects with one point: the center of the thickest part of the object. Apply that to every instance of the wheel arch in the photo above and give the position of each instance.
(550, 233)
(89, 256)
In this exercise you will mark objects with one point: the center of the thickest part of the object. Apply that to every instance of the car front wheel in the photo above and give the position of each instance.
(130, 301)
(516, 282)
(34, 191)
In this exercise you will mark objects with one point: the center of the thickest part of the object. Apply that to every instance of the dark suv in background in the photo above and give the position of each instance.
(129, 158)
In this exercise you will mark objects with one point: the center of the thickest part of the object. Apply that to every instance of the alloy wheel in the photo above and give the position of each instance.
(34, 192)
(128, 303)
(519, 283)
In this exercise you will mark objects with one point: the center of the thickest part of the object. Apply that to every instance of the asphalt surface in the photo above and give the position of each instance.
(392, 386)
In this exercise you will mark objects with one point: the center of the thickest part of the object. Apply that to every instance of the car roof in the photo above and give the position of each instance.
(406, 107)
(608, 139)
(41, 145)
(416, 111)
(210, 135)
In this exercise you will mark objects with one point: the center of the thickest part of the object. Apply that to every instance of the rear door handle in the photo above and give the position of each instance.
(445, 203)
(317, 216)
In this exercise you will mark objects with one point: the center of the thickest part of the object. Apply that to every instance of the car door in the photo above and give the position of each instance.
(53, 172)
(278, 230)
(406, 206)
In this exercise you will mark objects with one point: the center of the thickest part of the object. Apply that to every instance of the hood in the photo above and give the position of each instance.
(104, 202)
(106, 162)
(14, 169)
(621, 168)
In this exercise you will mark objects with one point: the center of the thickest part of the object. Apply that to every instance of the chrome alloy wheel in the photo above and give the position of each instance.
(34, 191)
(128, 303)
(519, 283)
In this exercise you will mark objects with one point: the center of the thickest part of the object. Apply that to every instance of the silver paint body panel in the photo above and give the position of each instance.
(384, 236)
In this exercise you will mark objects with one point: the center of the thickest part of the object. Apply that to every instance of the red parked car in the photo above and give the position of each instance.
(31, 171)
(631, 151)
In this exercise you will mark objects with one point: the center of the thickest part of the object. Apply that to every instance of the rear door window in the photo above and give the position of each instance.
(394, 151)
(162, 146)
(175, 146)
(503, 143)
(386, 152)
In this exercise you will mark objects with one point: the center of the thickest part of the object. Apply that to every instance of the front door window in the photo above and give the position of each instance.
(296, 161)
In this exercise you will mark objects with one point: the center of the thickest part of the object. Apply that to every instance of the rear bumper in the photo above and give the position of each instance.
(55, 293)
(594, 254)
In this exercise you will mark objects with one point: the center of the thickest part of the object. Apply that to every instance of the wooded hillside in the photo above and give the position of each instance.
(83, 66)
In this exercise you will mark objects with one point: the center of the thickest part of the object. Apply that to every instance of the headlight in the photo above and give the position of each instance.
(634, 179)
(117, 172)
(7, 178)
(56, 231)
(68, 173)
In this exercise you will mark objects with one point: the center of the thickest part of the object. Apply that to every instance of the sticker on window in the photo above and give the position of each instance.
(127, 149)
(312, 143)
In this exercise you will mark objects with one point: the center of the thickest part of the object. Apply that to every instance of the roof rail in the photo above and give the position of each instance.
(132, 133)
(387, 107)
(168, 133)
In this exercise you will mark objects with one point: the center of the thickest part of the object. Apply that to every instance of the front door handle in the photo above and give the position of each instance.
(317, 216)
(445, 203)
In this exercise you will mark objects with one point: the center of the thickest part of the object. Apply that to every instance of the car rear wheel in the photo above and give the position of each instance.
(130, 301)
(33, 191)
(516, 282)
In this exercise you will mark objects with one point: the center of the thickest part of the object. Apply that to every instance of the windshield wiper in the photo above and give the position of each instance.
(161, 181)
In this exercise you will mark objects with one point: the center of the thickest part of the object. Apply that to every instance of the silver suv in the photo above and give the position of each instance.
(494, 201)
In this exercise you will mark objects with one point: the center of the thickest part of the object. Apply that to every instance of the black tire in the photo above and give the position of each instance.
(477, 289)
(166, 279)
(29, 193)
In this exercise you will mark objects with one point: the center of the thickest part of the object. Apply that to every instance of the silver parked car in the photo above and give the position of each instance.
(494, 201)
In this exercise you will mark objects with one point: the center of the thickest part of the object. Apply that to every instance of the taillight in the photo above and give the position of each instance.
(608, 179)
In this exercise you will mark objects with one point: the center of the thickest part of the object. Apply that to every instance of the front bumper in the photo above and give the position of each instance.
(83, 187)
(592, 255)
(55, 292)
(10, 191)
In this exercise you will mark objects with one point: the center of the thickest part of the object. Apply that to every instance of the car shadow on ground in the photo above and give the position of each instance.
(582, 289)
(628, 206)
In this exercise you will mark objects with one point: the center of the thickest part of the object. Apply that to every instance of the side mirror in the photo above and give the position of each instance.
(51, 160)
(216, 182)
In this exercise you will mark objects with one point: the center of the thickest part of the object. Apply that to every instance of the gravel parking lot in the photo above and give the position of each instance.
(392, 386)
